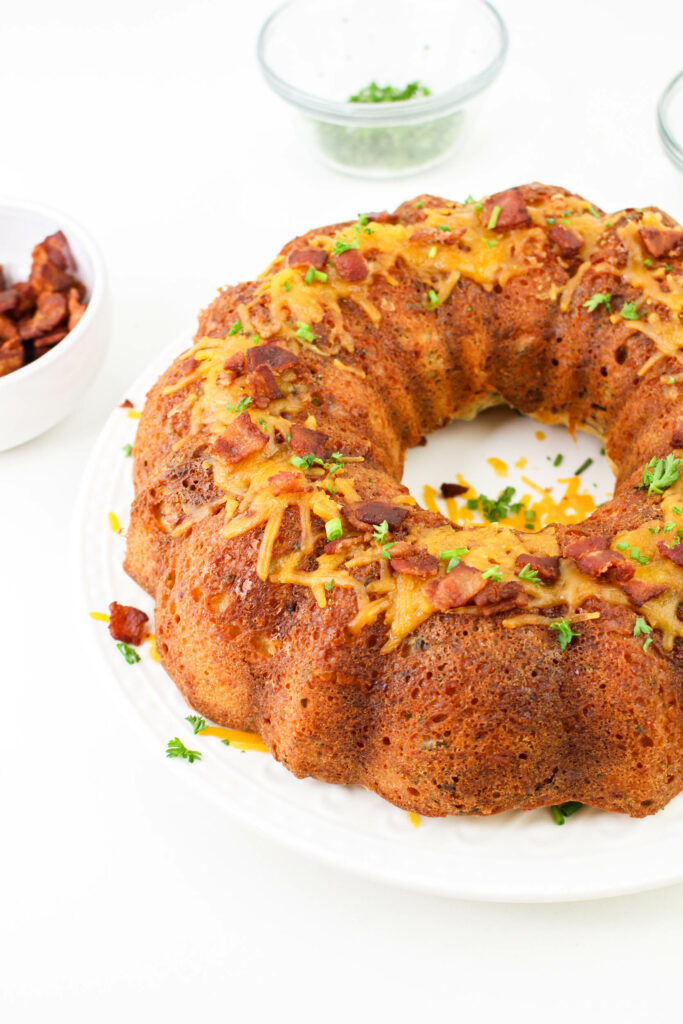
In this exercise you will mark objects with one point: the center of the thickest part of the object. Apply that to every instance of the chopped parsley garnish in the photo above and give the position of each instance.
(621, 545)
(263, 423)
(442, 227)
(304, 331)
(341, 246)
(176, 748)
(565, 633)
(495, 509)
(374, 93)
(550, 220)
(197, 723)
(314, 275)
(287, 285)
(491, 243)
(129, 653)
(558, 460)
(127, 450)
(593, 212)
(380, 534)
(493, 219)
(453, 555)
(629, 311)
(584, 465)
(236, 328)
(647, 262)
(334, 529)
(420, 204)
(529, 574)
(433, 299)
(529, 519)
(493, 573)
(329, 585)
(241, 405)
(306, 461)
(478, 207)
(642, 628)
(669, 526)
(677, 510)
(599, 299)
(562, 811)
(660, 474)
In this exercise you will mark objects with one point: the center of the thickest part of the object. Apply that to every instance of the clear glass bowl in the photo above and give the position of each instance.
(670, 119)
(317, 53)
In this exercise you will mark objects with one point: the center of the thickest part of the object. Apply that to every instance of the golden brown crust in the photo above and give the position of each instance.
(464, 715)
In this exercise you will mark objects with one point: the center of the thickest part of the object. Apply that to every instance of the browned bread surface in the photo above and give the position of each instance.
(463, 713)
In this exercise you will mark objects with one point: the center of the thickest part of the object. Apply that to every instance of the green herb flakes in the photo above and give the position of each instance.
(529, 574)
(314, 275)
(493, 219)
(374, 93)
(629, 311)
(197, 723)
(565, 633)
(304, 331)
(334, 529)
(599, 299)
(563, 811)
(176, 748)
(453, 555)
(660, 474)
(129, 653)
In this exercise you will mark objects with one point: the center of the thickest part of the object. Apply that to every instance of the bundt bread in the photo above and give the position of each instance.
(302, 594)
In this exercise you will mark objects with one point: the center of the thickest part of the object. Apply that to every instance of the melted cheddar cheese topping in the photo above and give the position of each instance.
(452, 242)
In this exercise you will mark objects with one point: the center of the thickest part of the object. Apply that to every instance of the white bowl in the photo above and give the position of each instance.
(35, 397)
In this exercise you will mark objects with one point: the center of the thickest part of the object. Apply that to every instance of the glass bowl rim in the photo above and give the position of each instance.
(400, 111)
(665, 131)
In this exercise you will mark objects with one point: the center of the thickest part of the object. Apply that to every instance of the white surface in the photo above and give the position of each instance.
(516, 856)
(35, 397)
(126, 894)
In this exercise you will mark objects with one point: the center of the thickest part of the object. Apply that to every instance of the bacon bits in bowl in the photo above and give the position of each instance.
(384, 87)
(53, 324)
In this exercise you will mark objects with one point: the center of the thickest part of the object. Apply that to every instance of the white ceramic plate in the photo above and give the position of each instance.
(514, 856)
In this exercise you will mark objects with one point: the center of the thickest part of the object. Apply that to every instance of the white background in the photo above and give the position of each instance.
(125, 895)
